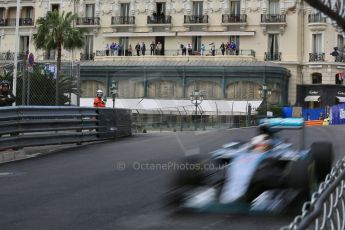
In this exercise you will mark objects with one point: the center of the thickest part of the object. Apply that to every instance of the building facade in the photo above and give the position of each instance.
(285, 32)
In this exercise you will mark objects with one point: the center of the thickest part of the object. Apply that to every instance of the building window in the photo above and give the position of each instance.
(55, 7)
(88, 47)
(274, 7)
(160, 8)
(24, 44)
(196, 43)
(273, 45)
(339, 78)
(27, 12)
(243, 90)
(340, 42)
(317, 43)
(197, 8)
(124, 44)
(235, 7)
(316, 78)
(124, 9)
(2, 13)
(90, 10)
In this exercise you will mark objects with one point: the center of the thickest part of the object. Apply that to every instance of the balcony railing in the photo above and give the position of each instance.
(88, 21)
(12, 22)
(273, 56)
(316, 18)
(26, 22)
(316, 57)
(195, 19)
(340, 57)
(123, 20)
(158, 19)
(9, 56)
(84, 57)
(234, 18)
(273, 18)
(178, 52)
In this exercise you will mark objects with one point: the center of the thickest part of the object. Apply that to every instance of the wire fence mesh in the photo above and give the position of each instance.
(37, 84)
(158, 120)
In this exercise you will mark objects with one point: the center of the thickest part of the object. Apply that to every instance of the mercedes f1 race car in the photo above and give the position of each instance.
(264, 175)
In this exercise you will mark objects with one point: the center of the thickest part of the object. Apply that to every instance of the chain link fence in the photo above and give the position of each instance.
(37, 84)
(326, 209)
(181, 120)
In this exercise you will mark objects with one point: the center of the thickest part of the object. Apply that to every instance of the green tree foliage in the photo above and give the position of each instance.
(56, 31)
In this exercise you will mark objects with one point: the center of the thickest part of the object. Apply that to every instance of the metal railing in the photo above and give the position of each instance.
(326, 210)
(88, 21)
(313, 18)
(273, 18)
(195, 19)
(316, 57)
(12, 22)
(178, 52)
(234, 18)
(158, 19)
(8, 56)
(340, 57)
(123, 20)
(36, 126)
(84, 57)
(273, 56)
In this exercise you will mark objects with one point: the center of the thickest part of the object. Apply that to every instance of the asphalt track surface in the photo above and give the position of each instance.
(101, 186)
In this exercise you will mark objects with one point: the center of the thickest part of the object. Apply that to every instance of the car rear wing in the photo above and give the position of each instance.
(286, 123)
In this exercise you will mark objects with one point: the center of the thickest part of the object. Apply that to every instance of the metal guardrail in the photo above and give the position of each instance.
(25, 126)
(326, 210)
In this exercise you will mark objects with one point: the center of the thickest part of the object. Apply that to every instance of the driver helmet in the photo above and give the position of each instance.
(261, 143)
(4, 82)
(99, 93)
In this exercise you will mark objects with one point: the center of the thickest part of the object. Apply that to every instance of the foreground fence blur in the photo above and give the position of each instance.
(326, 210)
(158, 120)
(25, 126)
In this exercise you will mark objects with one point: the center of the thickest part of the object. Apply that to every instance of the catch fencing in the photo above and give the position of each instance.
(326, 210)
(37, 84)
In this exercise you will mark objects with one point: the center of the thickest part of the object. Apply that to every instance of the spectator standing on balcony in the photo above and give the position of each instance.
(227, 47)
(111, 49)
(143, 49)
(213, 49)
(203, 49)
(107, 49)
(233, 48)
(222, 48)
(152, 48)
(6, 96)
(183, 49)
(159, 48)
(116, 47)
(190, 50)
(119, 49)
(130, 50)
(137, 48)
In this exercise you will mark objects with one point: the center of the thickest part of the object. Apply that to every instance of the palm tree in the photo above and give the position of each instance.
(53, 32)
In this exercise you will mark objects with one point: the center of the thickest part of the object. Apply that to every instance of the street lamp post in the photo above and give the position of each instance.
(113, 91)
(264, 92)
(196, 98)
